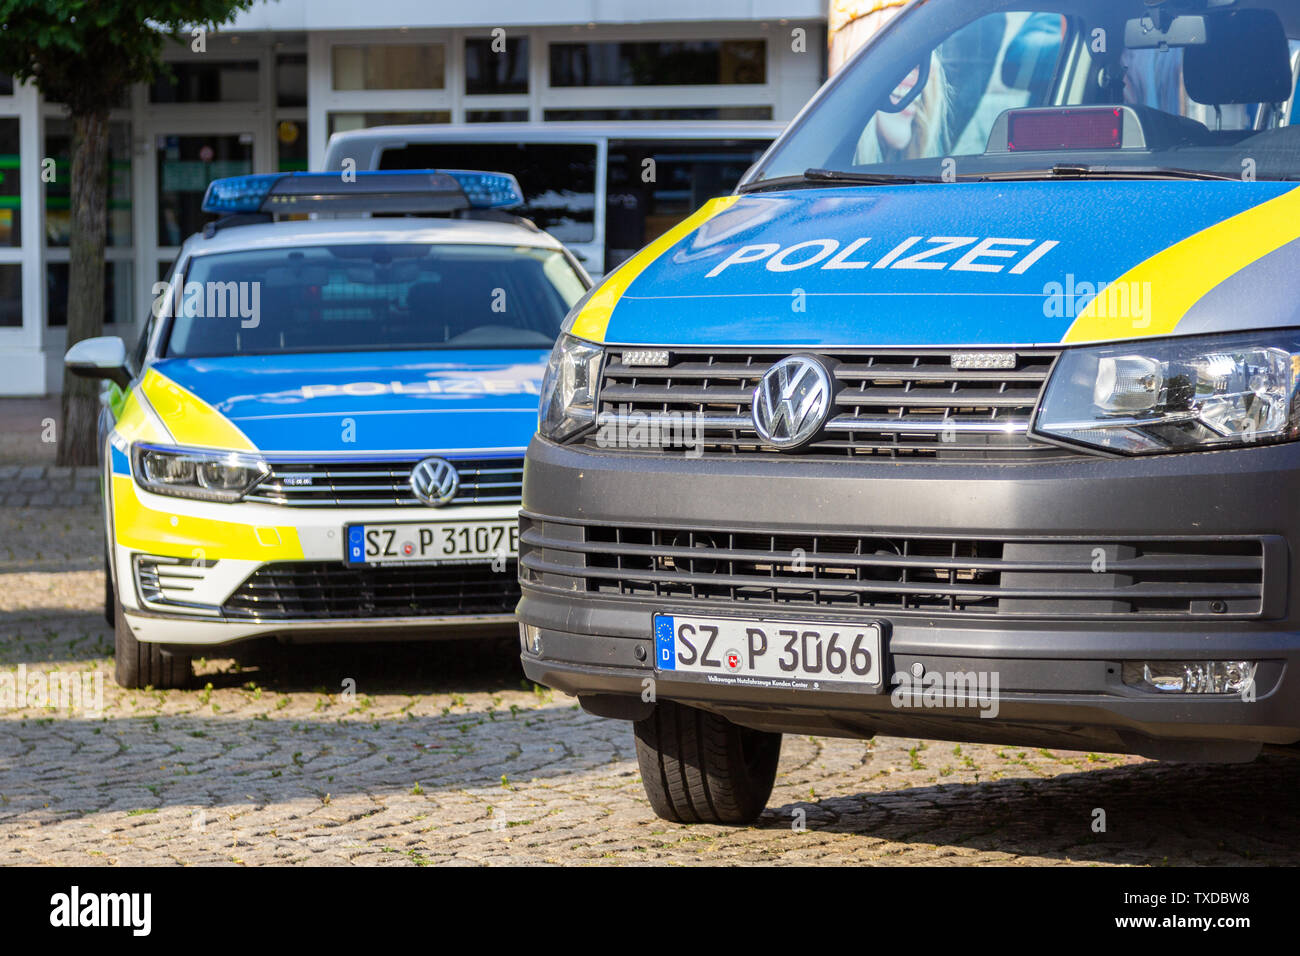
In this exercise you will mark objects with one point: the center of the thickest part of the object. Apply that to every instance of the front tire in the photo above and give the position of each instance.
(138, 664)
(697, 767)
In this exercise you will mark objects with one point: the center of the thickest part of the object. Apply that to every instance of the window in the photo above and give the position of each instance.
(389, 66)
(660, 113)
(666, 63)
(11, 295)
(218, 81)
(6, 85)
(291, 146)
(58, 203)
(364, 296)
(1207, 96)
(687, 173)
(291, 79)
(118, 305)
(10, 184)
(558, 179)
(489, 70)
(339, 122)
(186, 164)
(142, 344)
(496, 116)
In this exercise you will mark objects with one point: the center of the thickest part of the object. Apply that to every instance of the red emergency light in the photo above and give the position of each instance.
(1077, 128)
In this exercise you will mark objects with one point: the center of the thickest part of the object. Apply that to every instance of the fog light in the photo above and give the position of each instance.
(1191, 677)
(530, 639)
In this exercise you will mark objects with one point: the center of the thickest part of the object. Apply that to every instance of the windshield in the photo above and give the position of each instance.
(360, 297)
(958, 89)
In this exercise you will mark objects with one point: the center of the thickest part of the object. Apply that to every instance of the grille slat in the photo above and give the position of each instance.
(352, 484)
(644, 392)
(924, 426)
(1048, 578)
(884, 371)
(1146, 563)
(982, 399)
(889, 404)
(305, 590)
(814, 583)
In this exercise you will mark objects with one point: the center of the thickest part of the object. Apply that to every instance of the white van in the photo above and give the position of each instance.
(603, 189)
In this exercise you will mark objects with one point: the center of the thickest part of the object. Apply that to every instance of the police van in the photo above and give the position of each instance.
(972, 414)
(320, 433)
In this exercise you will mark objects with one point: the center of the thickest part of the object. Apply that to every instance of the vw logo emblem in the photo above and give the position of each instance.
(435, 481)
(792, 401)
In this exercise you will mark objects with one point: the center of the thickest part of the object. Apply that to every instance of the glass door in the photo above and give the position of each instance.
(184, 164)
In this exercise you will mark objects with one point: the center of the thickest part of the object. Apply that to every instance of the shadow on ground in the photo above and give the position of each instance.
(471, 665)
(1153, 814)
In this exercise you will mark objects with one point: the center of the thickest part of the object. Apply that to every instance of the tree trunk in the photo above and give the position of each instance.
(89, 190)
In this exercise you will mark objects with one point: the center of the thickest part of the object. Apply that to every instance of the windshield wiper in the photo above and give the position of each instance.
(866, 179)
(1079, 171)
(819, 177)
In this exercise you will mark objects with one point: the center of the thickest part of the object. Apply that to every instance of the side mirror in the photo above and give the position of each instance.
(102, 357)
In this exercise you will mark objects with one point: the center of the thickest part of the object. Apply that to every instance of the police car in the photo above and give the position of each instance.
(972, 414)
(320, 433)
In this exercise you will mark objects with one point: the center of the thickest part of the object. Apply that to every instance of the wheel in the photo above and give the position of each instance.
(145, 665)
(110, 596)
(697, 767)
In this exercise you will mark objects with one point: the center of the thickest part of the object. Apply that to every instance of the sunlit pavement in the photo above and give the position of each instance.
(445, 754)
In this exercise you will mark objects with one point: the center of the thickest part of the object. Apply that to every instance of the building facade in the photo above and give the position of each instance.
(265, 93)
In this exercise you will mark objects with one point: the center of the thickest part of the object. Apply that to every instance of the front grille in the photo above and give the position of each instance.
(1047, 578)
(384, 484)
(304, 590)
(889, 404)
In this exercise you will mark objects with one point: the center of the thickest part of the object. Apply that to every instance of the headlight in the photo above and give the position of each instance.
(1209, 392)
(569, 388)
(206, 475)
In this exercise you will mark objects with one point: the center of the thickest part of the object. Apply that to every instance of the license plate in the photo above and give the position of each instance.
(441, 542)
(765, 653)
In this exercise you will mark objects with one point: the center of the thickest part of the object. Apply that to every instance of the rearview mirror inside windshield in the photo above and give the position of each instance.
(1143, 33)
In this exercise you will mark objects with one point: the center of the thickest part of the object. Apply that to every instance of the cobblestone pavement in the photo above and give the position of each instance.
(446, 754)
(28, 430)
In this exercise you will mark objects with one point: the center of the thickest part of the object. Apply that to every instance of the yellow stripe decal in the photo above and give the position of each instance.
(184, 536)
(134, 424)
(1154, 296)
(593, 321)
(191, 420)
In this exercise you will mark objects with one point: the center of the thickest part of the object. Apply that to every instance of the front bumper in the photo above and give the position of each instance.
(210, 551)
(1060, 670)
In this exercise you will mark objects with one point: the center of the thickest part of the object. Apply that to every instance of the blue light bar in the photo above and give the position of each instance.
(488, 190)
(237, 194)
(407, 190)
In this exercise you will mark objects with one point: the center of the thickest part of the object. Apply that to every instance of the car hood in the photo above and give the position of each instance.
(962, 264)
(356, 402)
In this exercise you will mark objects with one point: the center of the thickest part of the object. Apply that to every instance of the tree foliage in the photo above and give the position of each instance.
(86, 54)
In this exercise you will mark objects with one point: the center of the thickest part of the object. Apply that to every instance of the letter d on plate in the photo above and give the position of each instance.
(665, 649)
